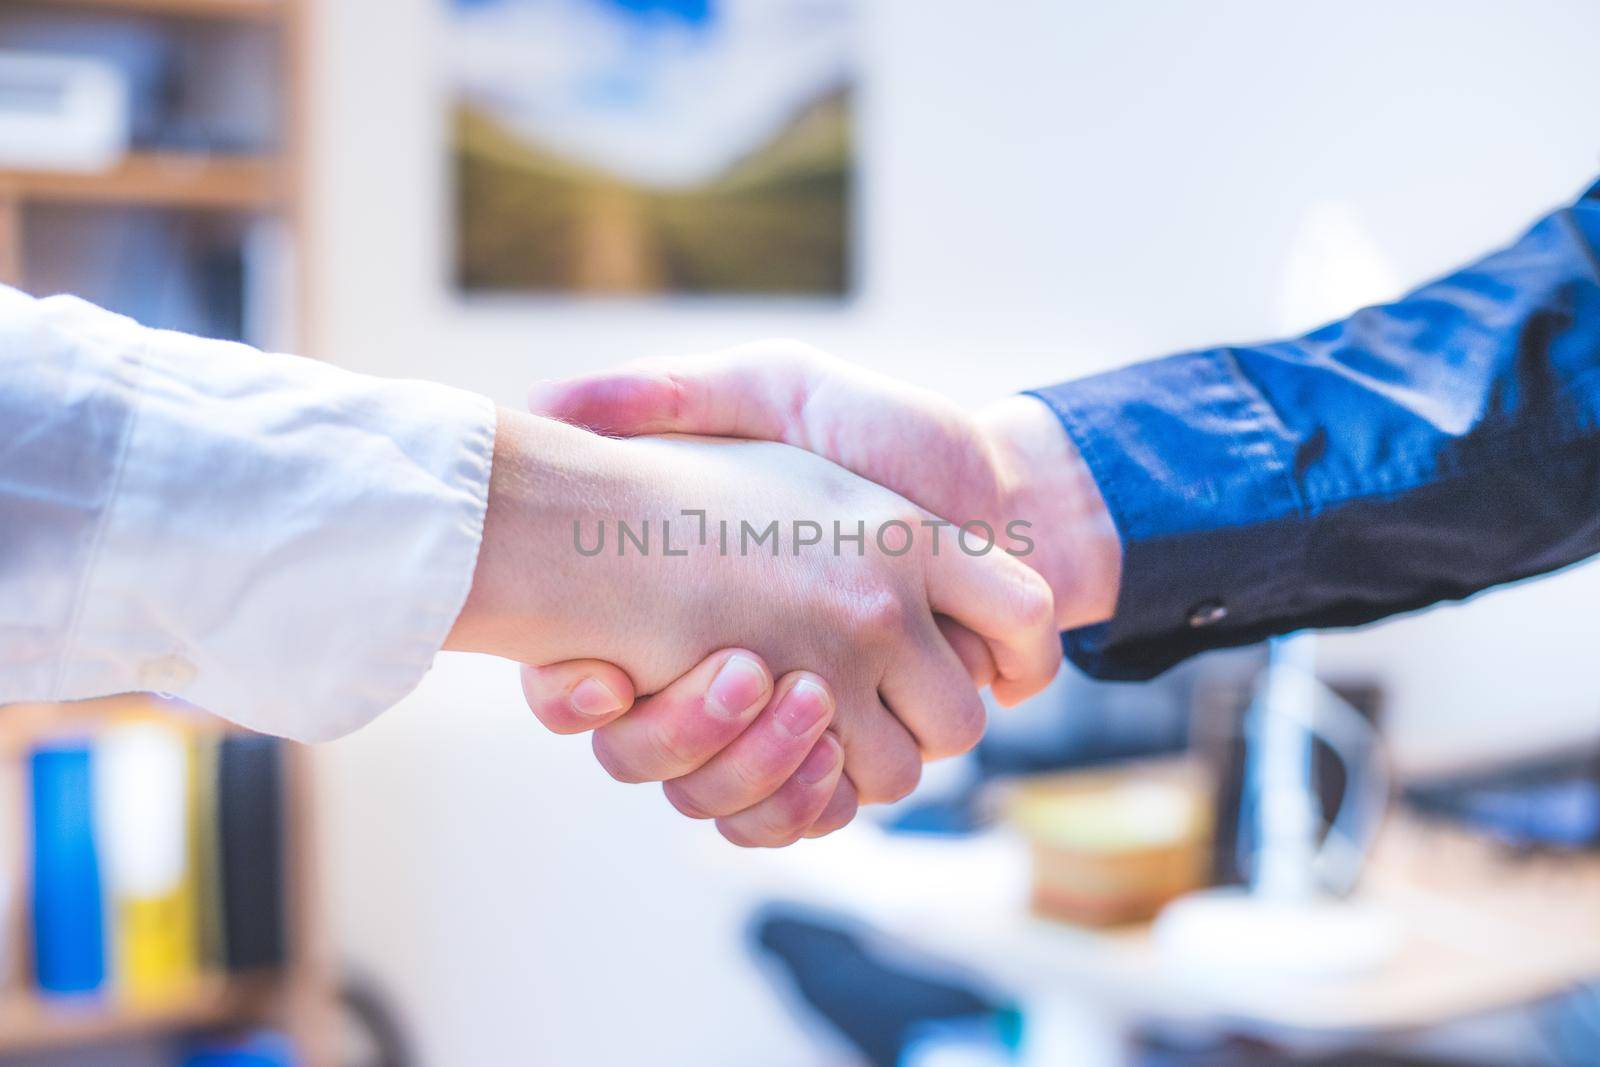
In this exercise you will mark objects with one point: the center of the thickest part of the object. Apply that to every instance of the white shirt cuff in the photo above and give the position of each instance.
(287, 544)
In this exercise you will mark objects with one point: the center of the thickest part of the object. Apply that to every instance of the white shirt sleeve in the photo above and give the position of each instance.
(281, 542)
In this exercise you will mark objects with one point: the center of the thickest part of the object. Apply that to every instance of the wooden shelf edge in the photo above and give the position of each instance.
(10, 242)
(157, 178)
(29, 1023)
(248, 10)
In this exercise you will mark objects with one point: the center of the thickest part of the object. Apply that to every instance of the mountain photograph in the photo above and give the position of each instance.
(653, 146)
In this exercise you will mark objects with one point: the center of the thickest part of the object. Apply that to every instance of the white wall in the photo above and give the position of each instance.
(1051, 187)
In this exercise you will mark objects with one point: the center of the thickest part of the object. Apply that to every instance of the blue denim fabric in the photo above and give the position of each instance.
(1415, 452)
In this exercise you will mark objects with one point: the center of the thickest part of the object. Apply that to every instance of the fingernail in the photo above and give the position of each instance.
(817, 766)
(737, 687)
(804, 706)
(594, 698)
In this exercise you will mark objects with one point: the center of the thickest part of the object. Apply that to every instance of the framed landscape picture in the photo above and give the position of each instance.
(653, 146)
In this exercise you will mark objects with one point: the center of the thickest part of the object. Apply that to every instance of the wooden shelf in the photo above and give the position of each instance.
(21, 725)
(157, 178)
(251, 10)
(30, 1024)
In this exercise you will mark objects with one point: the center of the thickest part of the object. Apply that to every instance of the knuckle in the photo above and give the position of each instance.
(899, 536)
(795, 351)
(963, 728)
(1035, 605)
(834, 821)
(900, 513)
(754, 778)
(783, 818)
(897, 778)
(677, 393)
(681, 798)
(883, 614)
(904, 783)
(833, 825)
(840, 811)
(784, 826)
(734, 834)
(741, 784)
(614, 760)
(672, 748)
(746, 834)
(973, 726)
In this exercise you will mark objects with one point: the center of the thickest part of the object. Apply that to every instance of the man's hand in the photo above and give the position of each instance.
(1009, 461)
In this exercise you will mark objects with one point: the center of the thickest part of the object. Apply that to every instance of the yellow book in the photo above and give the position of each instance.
(145, 790)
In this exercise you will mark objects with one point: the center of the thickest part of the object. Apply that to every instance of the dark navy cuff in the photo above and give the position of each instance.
(1198, 475)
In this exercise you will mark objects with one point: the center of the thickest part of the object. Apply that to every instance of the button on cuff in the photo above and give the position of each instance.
(1207, 613)
(167, 675)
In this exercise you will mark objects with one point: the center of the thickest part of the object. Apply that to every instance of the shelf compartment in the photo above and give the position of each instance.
(251, 10)
(168, 179)
(31, 1024)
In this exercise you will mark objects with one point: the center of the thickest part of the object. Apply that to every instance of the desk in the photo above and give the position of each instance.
(1481, 933)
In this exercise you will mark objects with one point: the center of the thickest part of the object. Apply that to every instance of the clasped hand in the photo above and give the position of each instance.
(818, 669)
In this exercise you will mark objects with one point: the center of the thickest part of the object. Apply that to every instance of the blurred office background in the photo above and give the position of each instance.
(1037, 190)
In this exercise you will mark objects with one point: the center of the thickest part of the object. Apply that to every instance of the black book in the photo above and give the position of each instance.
(250, 827)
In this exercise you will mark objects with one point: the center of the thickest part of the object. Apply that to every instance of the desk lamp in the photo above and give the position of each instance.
(1294, 920)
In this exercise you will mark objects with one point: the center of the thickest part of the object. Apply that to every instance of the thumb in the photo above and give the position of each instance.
(1010, 607)
(753, 391)
(577, 696)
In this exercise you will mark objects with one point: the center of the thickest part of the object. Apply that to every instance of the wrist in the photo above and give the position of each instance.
(1044, 480)
(544, 475)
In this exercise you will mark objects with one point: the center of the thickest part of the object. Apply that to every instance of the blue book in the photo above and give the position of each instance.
(68, 927)
(261, 1049)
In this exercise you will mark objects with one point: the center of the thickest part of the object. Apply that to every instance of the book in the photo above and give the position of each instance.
(264, 1048)
(144, 792)
(250, 827)
(68, 927)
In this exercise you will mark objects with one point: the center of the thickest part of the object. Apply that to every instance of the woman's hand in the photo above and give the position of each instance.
(861, 613)
(727, 743)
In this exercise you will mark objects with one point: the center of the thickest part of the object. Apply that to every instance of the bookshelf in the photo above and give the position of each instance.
(297, 998)
(202, 187)
(260, 183)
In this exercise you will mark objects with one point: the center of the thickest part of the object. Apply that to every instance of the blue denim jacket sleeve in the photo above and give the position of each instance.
(1415, 452)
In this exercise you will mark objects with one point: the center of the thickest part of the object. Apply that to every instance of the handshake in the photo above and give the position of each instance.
(812, 588)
